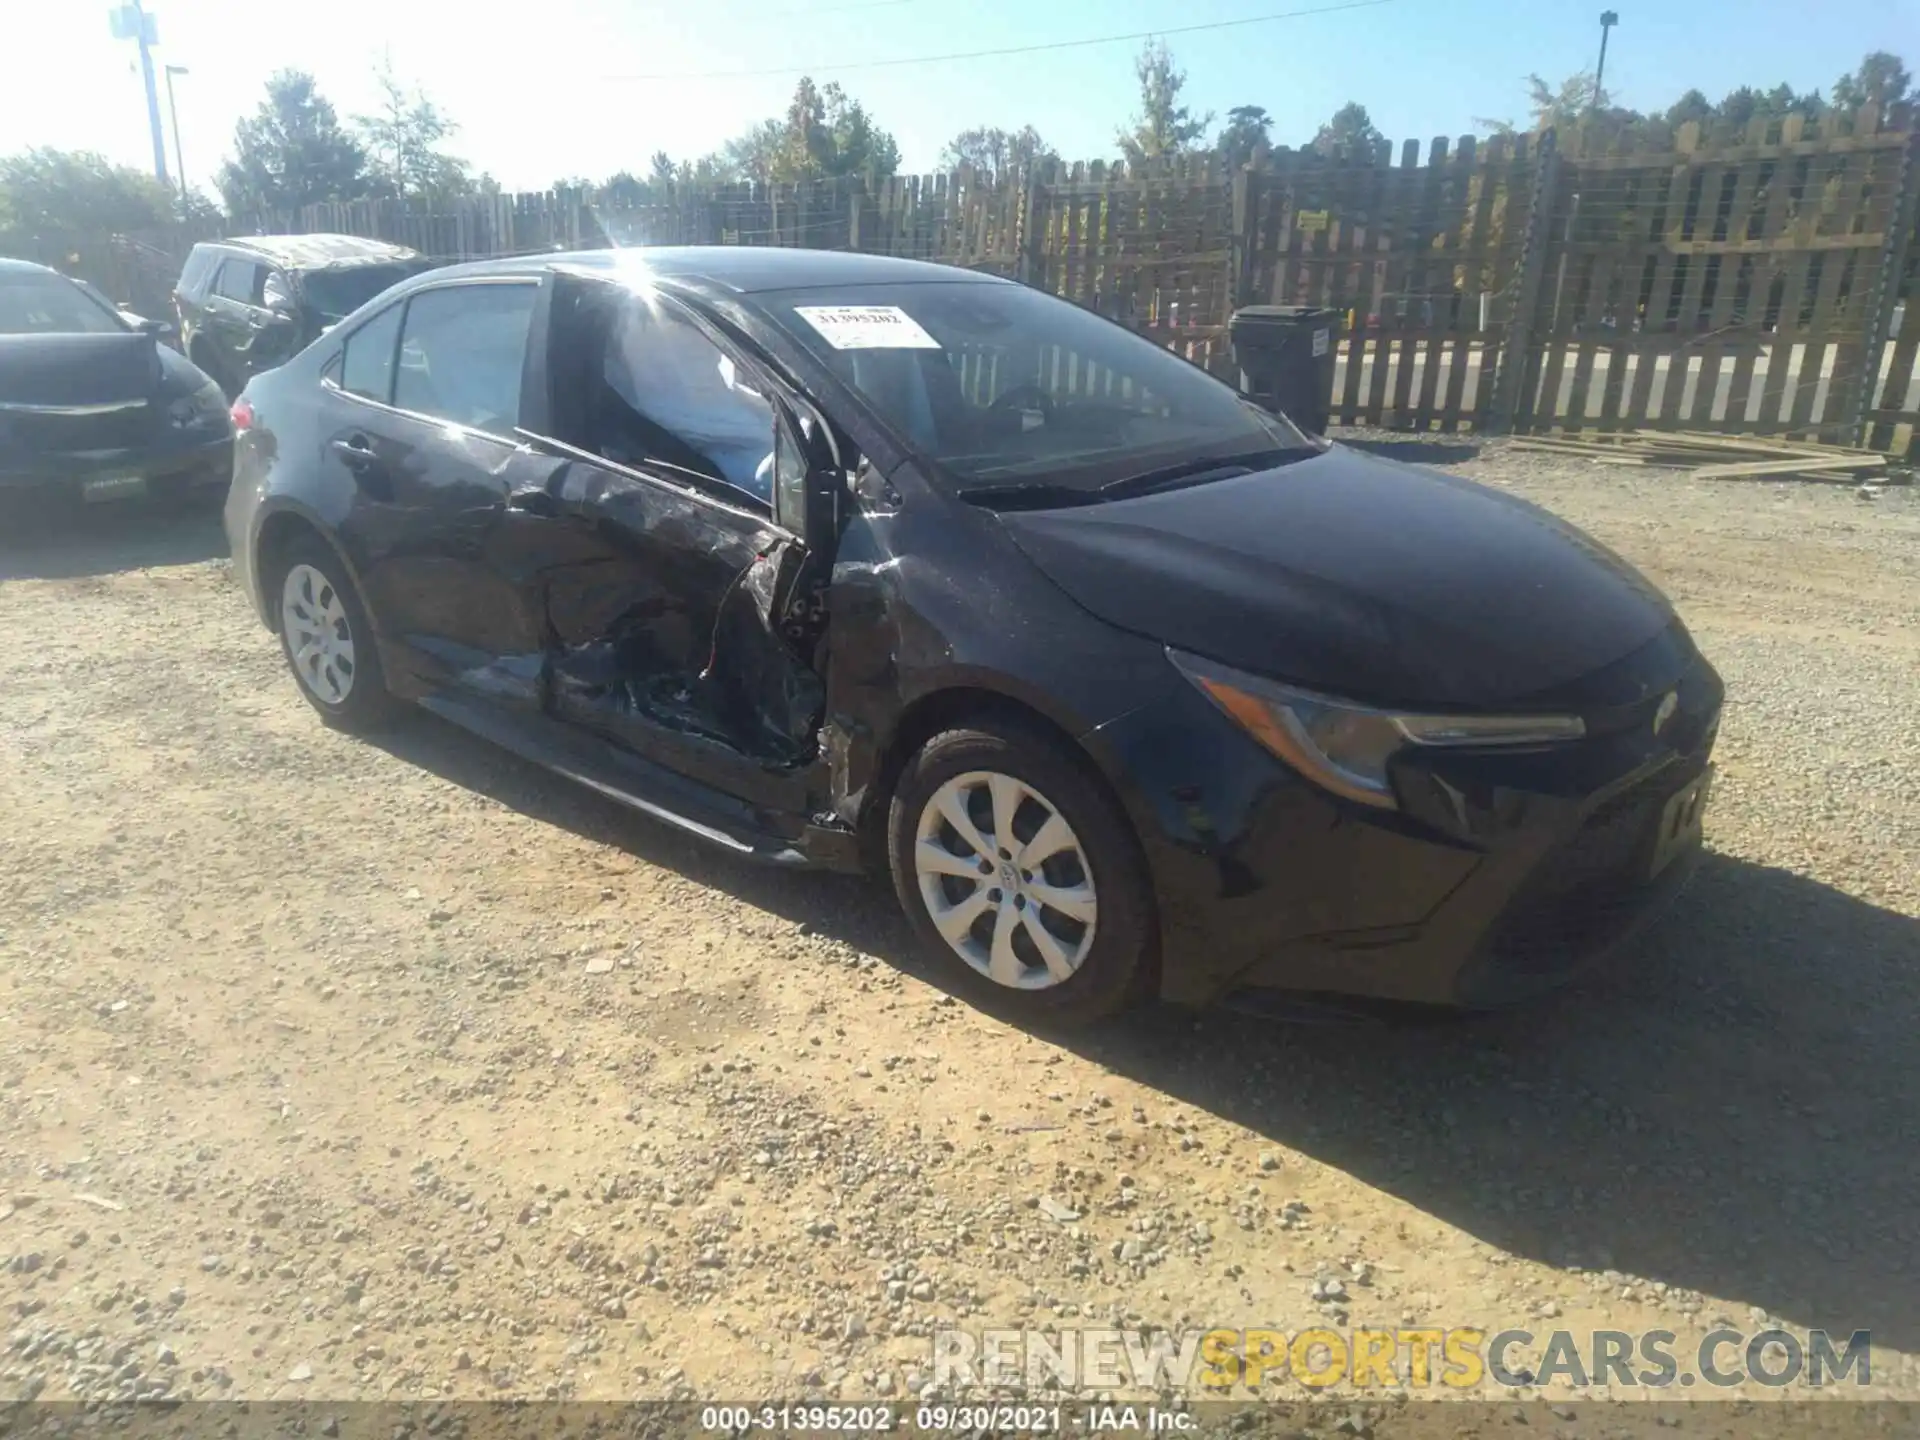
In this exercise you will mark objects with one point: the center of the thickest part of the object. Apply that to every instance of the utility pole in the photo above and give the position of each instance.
(1608, 19)
(130, 22)
(173, 113)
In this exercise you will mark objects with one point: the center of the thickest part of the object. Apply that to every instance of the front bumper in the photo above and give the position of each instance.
(1505, 875)
(177, 465)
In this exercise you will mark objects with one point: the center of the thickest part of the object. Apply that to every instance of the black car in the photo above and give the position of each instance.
(92, 405)
(246, 305)
(846, 561)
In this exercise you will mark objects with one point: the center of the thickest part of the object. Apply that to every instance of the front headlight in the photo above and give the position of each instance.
(1345, 747)
(203, 407)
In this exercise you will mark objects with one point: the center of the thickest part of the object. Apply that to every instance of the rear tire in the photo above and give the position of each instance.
(1055, 925)
(327, 638)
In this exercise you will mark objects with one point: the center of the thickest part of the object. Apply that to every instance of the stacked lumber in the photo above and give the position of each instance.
(1713, 457)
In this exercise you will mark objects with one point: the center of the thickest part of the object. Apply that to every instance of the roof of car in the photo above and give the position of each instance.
(22, 266)
(742, 269)
(314, 252)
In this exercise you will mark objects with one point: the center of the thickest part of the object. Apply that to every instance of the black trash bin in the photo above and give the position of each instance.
(1285, 355)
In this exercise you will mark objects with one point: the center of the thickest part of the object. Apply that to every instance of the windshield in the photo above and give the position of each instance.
(32, 303)
(1003, 386)
(336, 294)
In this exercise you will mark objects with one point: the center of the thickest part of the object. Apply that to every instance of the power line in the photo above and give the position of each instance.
(842, 68)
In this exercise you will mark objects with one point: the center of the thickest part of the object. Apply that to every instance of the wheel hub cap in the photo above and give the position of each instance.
(1005, 880)
(319, 640)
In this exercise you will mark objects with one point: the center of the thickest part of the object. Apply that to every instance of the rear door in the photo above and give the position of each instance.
(422, 405)
(231, 307)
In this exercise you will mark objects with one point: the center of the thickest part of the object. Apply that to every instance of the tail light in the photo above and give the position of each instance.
(241, 414)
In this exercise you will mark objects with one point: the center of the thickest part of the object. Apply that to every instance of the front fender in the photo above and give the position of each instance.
(930, 601)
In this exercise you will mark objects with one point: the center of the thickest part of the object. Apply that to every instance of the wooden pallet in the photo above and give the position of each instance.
(1712, 456)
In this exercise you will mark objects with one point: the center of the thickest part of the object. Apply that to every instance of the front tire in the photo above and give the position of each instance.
(1019, 870)
(328, 640)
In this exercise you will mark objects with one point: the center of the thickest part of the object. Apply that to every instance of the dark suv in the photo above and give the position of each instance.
(249, 304)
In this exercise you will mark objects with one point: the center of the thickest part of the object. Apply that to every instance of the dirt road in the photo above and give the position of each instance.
(400, 1069)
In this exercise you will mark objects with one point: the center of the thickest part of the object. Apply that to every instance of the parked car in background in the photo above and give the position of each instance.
(92, 405)
(853, 561)
(246, 305)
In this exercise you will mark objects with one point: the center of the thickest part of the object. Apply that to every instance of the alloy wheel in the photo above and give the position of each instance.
(319, 639)
(1005, 880)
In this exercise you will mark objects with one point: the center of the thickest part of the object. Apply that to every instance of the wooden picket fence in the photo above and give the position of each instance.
(1764, 281)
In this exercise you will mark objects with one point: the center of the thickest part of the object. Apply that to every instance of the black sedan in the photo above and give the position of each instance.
(92, 405)
(855, 562)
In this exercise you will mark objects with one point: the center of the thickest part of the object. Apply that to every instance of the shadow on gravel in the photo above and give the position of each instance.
(1730, 1112)
(1416, 451)
(69, 541)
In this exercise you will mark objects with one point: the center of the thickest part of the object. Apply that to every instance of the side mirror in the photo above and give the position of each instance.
(159, 329)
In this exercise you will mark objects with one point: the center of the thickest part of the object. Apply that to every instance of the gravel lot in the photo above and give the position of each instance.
(348, 1070)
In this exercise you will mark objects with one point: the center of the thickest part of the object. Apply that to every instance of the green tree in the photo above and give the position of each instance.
(825, 133)
(1568, 103)
(1784, 100)
(1351, 131)
(1882, 79)
(660, 171)
(857, 145)
(290, 152)
(54, 202)
(1692, 106)
(402, 139)
(760, 154)
(1571, 103)
(1248, 131)
(714, 169)
(626, 188)
(997, 151)
(1164, 127)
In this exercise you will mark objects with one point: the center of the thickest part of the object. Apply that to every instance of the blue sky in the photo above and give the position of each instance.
(539, 94)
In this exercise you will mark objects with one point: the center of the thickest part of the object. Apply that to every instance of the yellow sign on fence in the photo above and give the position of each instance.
(1309, 221)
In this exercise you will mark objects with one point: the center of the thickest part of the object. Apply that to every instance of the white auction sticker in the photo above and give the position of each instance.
(867, 327)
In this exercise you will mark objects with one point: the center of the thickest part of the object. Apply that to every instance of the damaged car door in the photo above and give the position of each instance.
(669, 559)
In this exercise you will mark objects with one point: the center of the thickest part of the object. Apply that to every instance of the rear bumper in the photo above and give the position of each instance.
(184, 466)
(1503, 877)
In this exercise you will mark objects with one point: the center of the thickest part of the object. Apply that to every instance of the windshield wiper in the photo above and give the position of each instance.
(1197, 472)
(1032, 495)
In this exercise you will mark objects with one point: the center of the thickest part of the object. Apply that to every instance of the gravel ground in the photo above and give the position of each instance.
(352, 1070)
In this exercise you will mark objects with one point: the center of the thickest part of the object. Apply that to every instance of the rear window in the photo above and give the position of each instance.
(367, 368)
(335, 294)
(193, 278)
(240, 280)
(32, 303)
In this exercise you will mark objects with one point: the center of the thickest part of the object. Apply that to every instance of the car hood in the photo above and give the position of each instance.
(77, 372)
(1357, 577)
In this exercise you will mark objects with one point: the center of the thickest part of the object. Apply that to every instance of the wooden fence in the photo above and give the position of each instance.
(1765, 280)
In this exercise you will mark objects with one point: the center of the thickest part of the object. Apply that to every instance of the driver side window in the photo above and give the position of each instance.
(639, 383)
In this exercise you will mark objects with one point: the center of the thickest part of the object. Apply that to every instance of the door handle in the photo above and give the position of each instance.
(355, 453)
